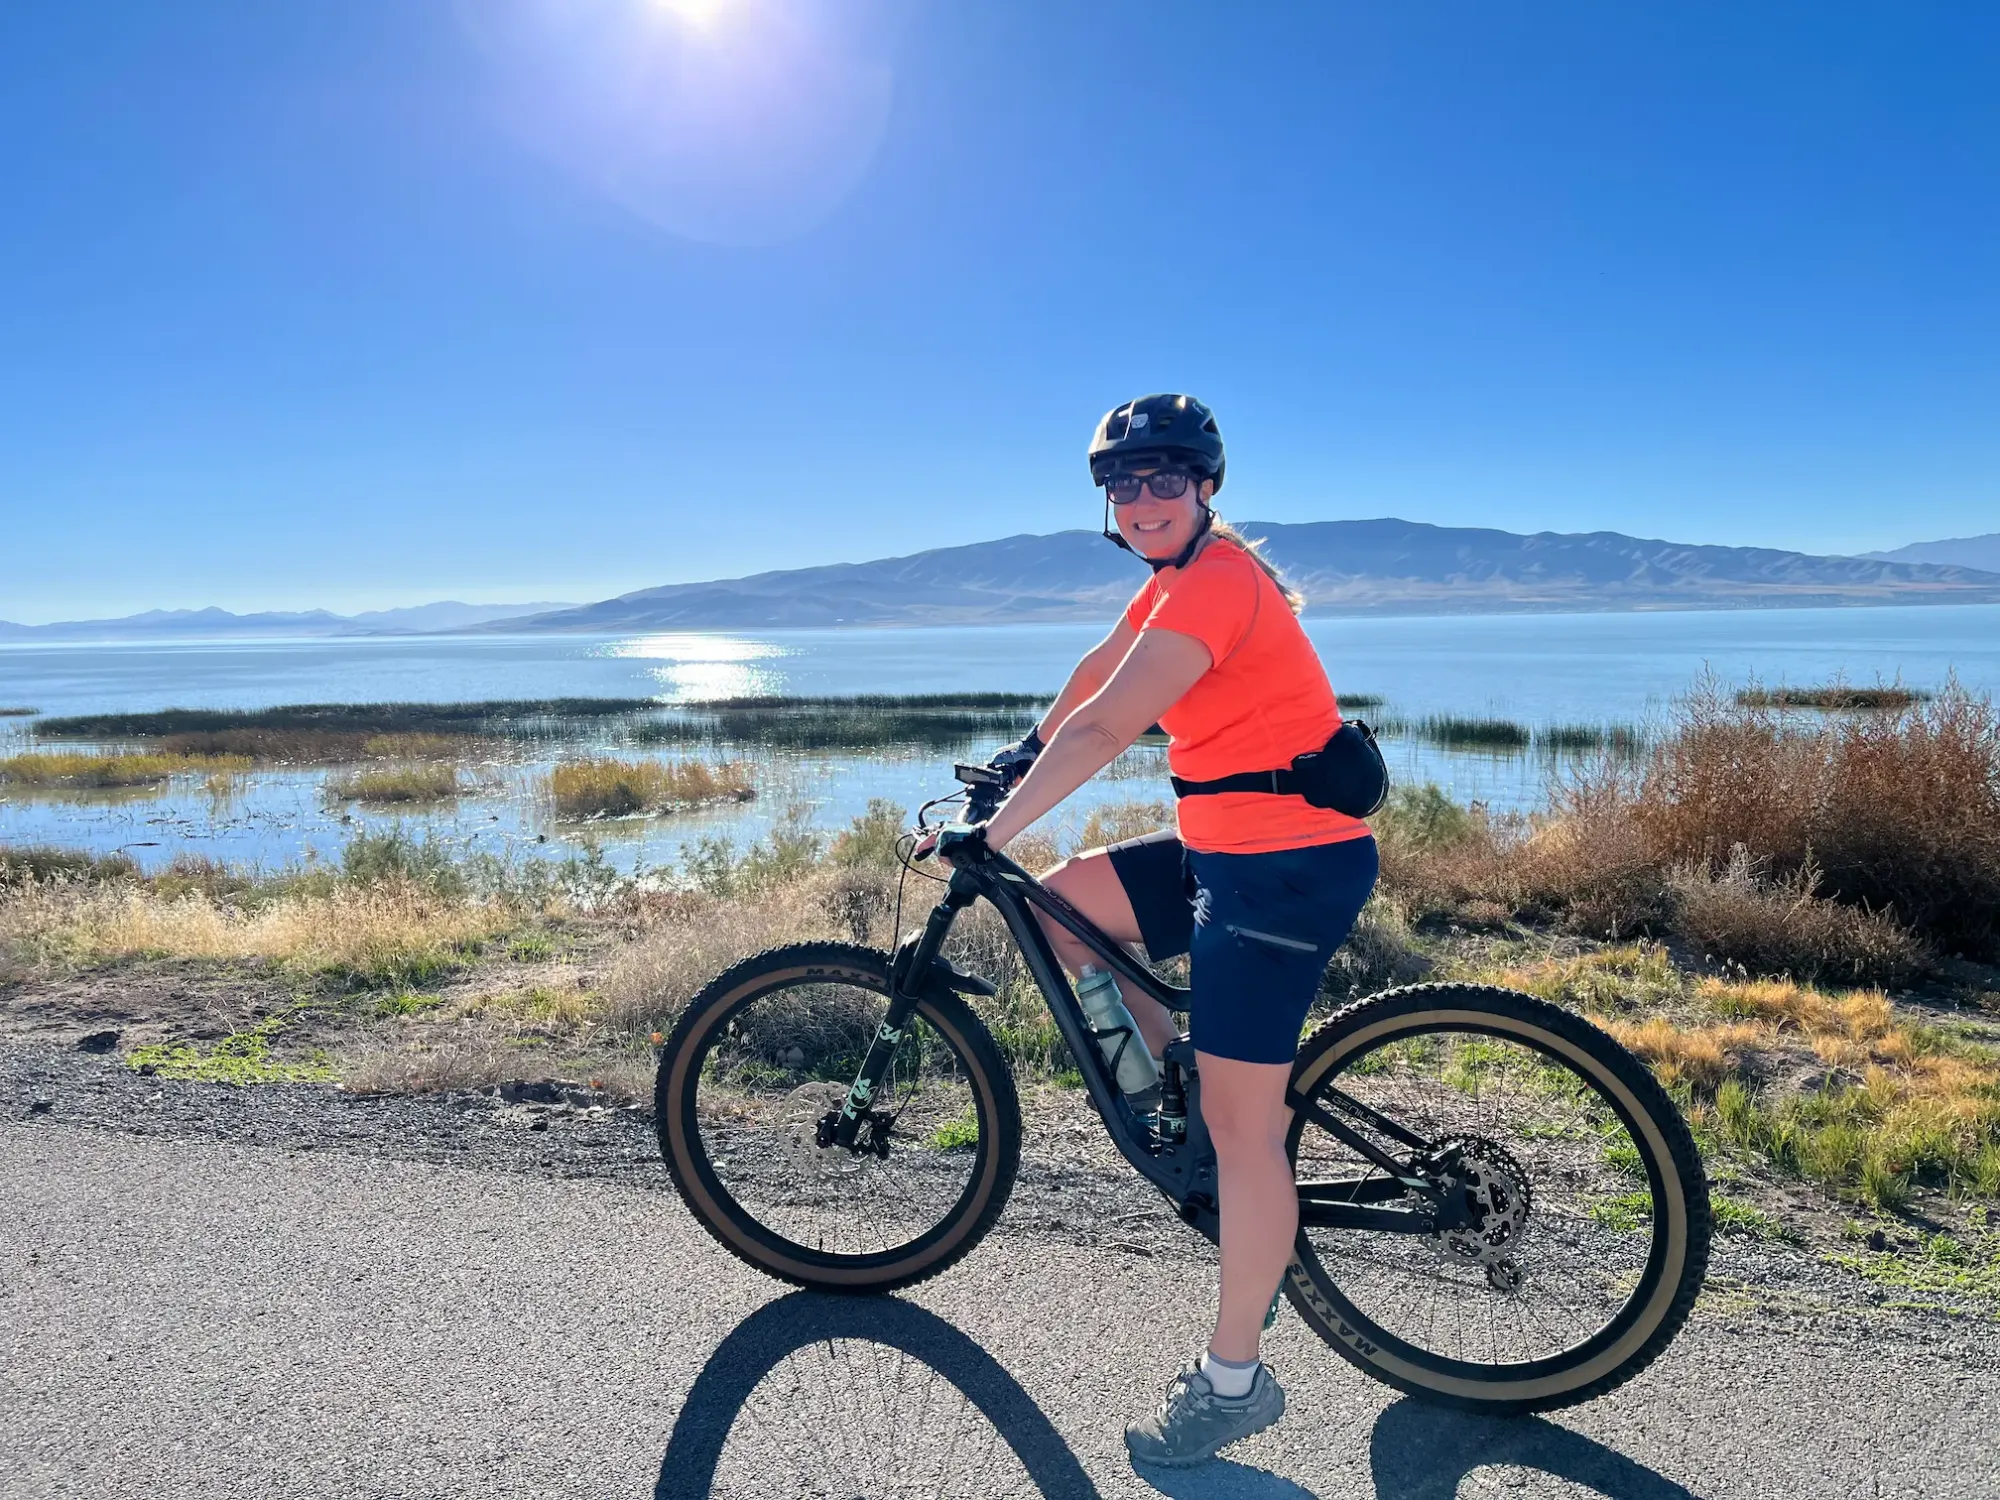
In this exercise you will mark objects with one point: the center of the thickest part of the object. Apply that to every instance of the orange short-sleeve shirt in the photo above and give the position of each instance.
(1265, 700)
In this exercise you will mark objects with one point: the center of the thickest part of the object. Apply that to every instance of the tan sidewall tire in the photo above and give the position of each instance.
(866, 968)
(1683, 1191)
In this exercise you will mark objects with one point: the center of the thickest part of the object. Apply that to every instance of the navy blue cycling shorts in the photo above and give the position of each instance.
(1259, 929)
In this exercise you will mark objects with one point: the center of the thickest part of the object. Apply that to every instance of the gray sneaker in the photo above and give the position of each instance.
(1193, 1421)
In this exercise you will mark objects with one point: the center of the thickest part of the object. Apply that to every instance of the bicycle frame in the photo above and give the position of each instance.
(1184, 1170)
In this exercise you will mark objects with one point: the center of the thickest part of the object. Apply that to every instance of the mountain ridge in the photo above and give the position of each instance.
(1982, 552)
(415, 619)
(1381, 565)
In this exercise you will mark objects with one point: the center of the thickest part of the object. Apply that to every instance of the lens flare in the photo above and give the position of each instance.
(730, 121)
(702, 13)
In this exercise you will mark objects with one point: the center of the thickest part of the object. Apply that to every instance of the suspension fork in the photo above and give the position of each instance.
(908, 972)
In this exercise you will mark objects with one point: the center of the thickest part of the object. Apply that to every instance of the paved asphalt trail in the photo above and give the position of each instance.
(192, 1317)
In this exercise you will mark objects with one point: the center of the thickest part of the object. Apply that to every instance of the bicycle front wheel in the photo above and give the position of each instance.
(767, 1052)
(1568, 1208)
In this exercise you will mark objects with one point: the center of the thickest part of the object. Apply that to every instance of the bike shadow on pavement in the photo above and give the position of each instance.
(1420, 1452)
(839, 1388)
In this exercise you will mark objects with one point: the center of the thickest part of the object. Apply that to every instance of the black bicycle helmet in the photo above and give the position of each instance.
(1153, 429)
(1157, 430)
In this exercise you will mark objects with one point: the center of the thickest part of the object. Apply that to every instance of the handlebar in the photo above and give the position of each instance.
(985, 790)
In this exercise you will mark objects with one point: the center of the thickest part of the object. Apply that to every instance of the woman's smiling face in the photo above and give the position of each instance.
(1157, 528)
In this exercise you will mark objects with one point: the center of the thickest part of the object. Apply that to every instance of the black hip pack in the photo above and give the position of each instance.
(1346, 774)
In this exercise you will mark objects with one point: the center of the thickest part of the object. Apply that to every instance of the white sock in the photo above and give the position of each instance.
(1231, 1378)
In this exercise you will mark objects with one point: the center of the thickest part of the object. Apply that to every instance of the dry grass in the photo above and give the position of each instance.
(1833, 1087)
(75, 770)
(603, 788)
(1379, 953)
(1899, 812)
(1840, 850)
(474, 1057)
(1114, 822)
(419, 782)
(683, 942)
(1621, 980)
(566, 1008)
(317, 747)
(1783, 925)
(389, 932)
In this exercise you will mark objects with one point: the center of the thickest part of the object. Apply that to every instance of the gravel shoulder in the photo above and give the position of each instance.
(291, 1290)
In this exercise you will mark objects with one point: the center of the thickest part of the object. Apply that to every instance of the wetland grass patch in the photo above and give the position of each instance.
(36, 864)
(1455, 732)
(389, 785)
(18, 713)
(78, 770)
(861, 722)
(334, 733)
(1851, 849)
(609, 788)
(484, 716)
(1834, 697)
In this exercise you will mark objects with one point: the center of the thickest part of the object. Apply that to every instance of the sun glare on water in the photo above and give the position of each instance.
(702, 666)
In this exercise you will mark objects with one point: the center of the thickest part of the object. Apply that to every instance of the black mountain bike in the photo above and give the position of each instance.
(1499, 1207)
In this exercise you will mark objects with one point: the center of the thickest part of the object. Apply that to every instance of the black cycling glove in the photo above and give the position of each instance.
(1012, 761)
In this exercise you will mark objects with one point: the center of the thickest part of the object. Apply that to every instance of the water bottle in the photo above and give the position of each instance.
(1117, 1033)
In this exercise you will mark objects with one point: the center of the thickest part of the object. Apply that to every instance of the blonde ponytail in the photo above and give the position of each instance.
(1221, 528)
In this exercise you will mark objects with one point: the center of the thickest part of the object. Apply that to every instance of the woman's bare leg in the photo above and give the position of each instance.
(1244, 1106)
(1090, 884)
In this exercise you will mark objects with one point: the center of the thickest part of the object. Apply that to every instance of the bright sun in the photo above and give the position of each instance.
(698, 13)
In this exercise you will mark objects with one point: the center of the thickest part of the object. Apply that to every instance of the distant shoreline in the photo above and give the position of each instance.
(1416, 610)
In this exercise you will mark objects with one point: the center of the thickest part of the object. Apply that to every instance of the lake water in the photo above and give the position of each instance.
(1537, 669)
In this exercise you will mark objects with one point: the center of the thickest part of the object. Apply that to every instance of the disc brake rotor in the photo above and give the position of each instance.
(1491, 1193)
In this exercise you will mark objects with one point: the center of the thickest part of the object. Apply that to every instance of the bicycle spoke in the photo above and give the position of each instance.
(782, 1062)
(1573, 1212)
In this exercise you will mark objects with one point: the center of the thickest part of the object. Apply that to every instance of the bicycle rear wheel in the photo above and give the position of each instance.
(1582, 1214)
(765, 1053)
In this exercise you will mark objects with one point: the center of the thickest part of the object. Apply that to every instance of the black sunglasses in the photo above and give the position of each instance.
(1166, 484)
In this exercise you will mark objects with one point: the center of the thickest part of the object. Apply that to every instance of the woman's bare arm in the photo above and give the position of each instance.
(1089, 675)
(1151, 678)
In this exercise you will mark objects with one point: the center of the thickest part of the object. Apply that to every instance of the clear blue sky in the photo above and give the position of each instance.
(366, 302)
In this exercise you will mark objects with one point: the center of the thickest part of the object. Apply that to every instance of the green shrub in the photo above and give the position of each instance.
(32, 863)
(870, 840)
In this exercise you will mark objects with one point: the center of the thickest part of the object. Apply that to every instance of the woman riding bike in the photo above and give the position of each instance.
(1259, 887)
